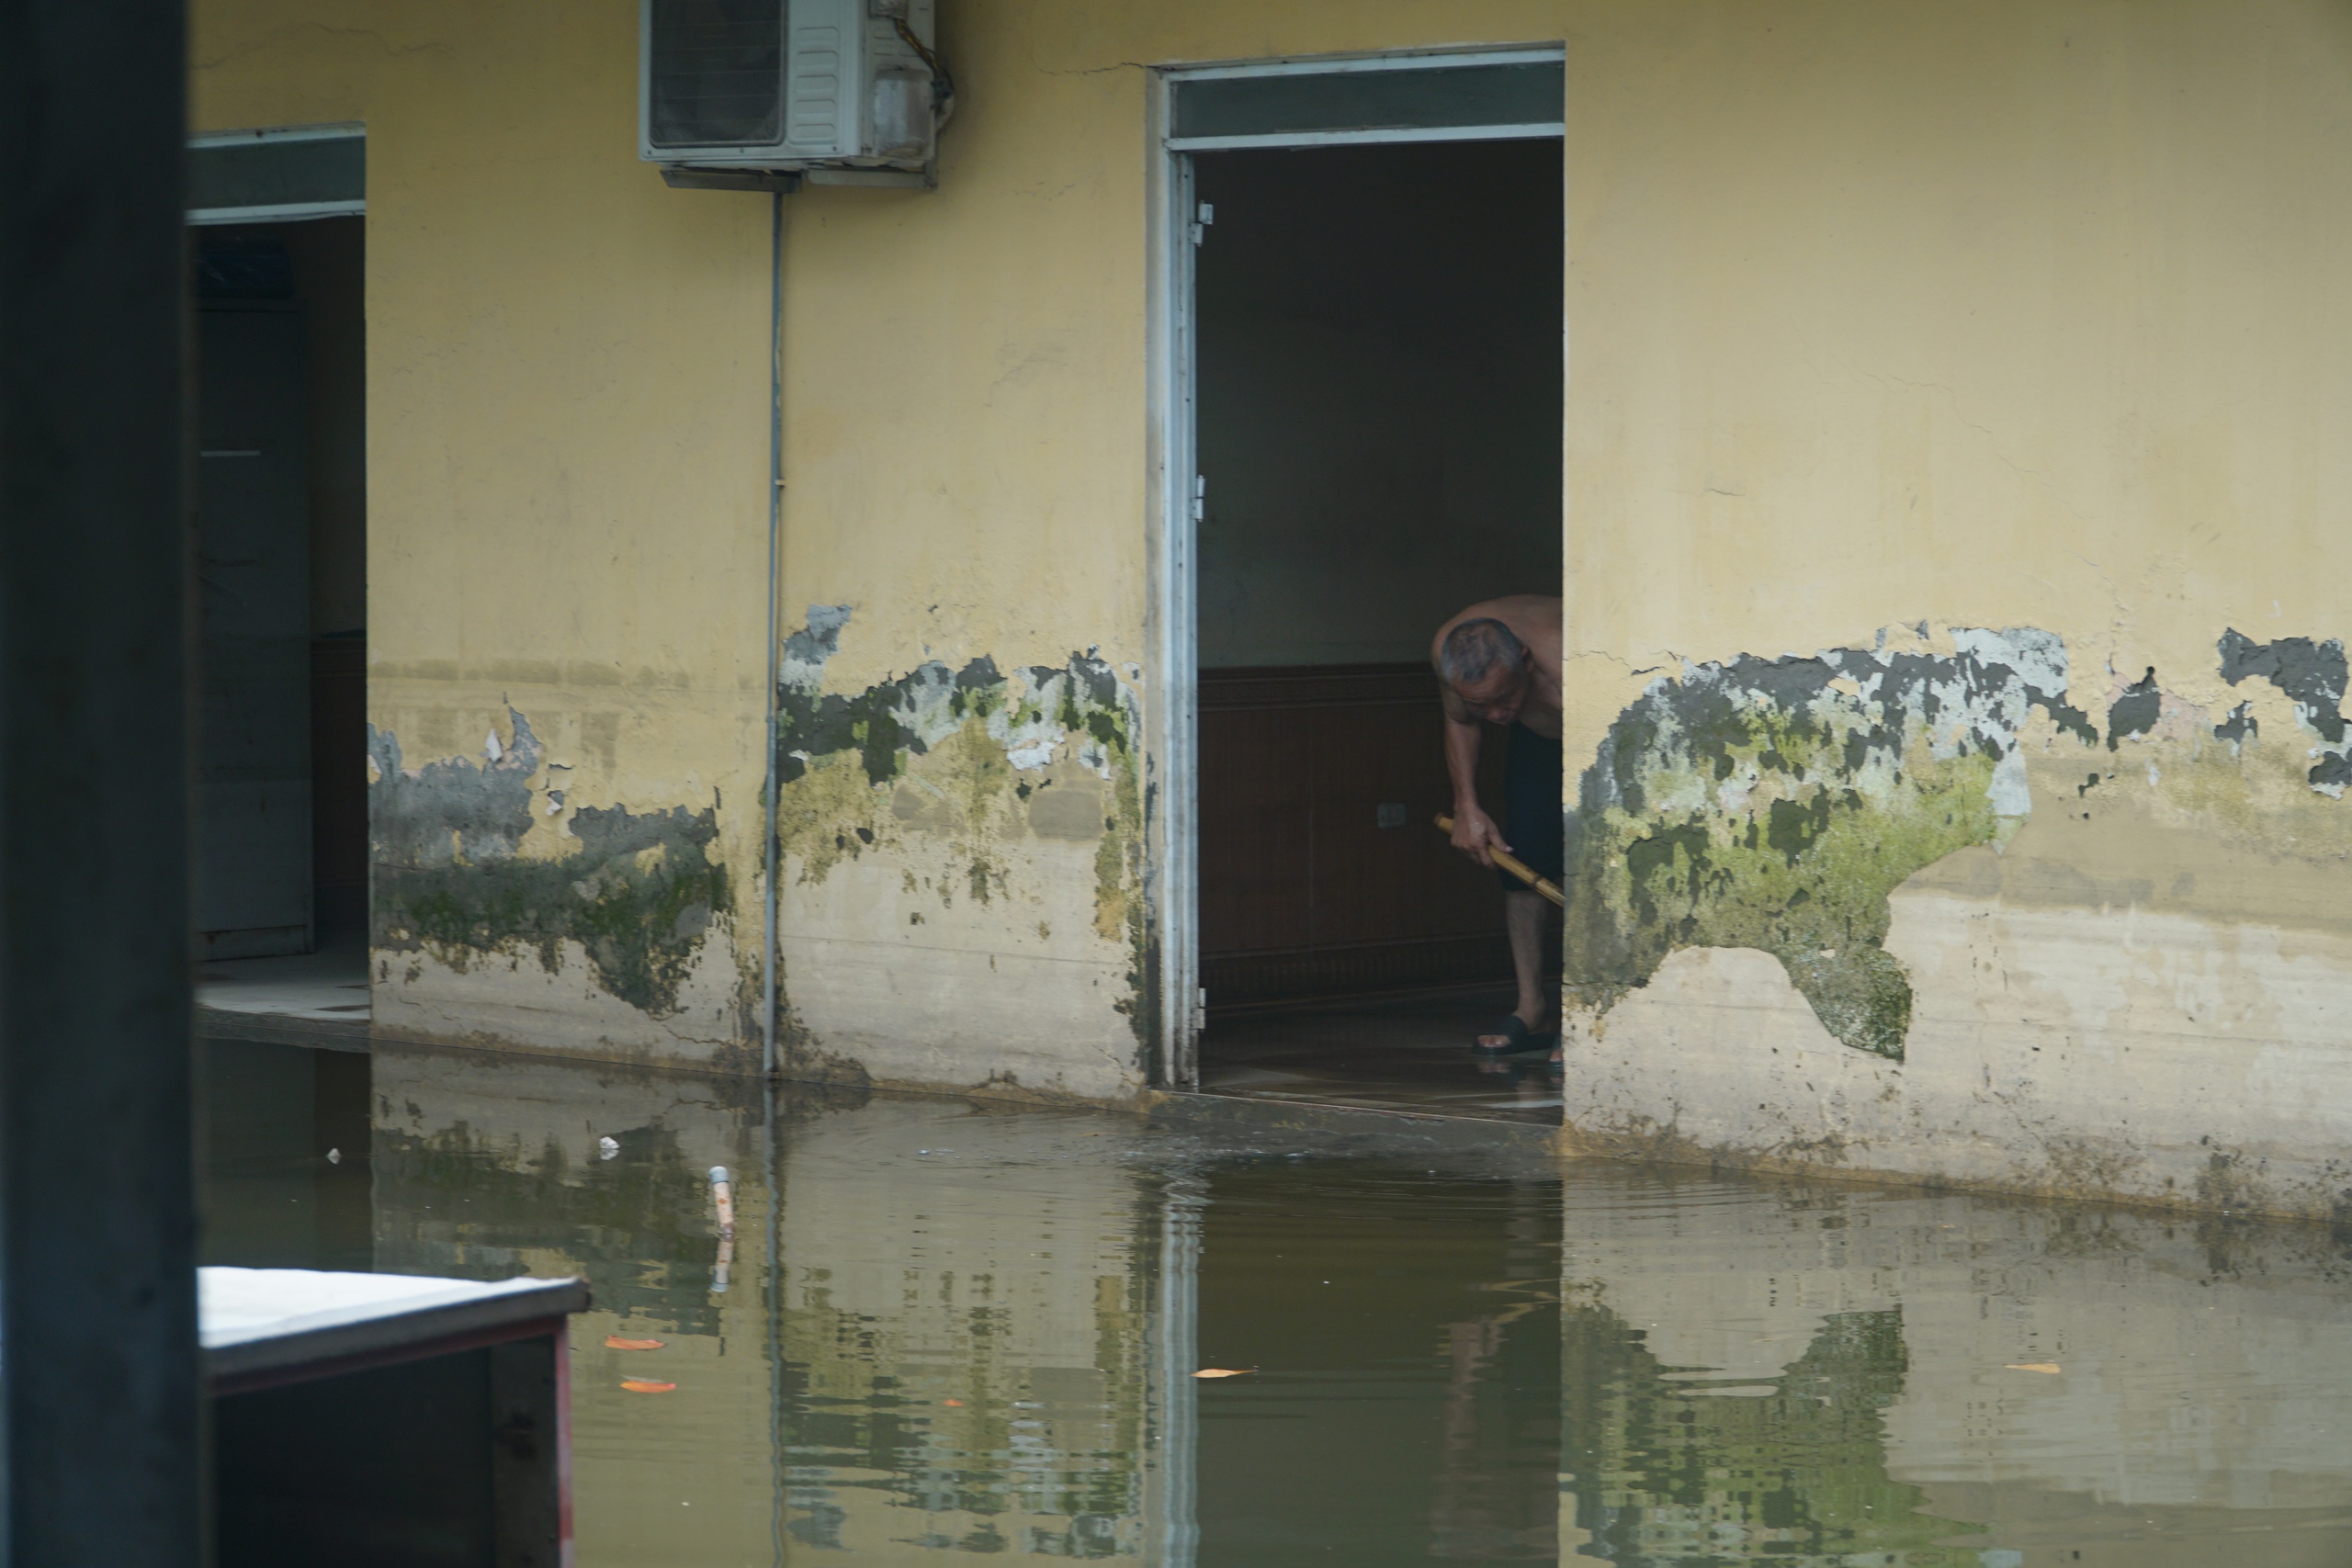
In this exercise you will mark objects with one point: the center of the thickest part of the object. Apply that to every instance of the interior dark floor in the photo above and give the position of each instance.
(1410, 1053)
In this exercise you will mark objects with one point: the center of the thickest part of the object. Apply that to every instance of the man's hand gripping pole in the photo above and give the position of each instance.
(1516, 866)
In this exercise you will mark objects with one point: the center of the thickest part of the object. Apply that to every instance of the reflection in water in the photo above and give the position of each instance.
(953, 1357)
(1405, 1324)
(981, 1336)
(966, 1315)
(1676, 1466)
(1849, 1377)
(285, 1156)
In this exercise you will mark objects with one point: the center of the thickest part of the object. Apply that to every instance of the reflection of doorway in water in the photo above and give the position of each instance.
(1409, 1335)
(1379, 395)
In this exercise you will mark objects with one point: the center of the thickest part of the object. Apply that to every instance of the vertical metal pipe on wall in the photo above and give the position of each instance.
(774, 651)
(100, 1407)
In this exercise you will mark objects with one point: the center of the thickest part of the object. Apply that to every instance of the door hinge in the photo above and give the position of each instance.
(1200, 498)
(1200, 1010)
(1201, 220)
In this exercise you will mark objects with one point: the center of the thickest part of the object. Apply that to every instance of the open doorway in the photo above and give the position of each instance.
(281, 881)
(1377, 376)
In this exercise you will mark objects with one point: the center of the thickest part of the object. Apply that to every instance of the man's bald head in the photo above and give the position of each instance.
(1488, 668)
(1476, 650)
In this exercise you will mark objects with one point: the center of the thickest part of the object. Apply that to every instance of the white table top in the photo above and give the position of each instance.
(276, 1320)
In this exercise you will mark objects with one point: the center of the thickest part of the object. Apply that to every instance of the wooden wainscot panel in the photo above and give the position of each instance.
(1304, 893)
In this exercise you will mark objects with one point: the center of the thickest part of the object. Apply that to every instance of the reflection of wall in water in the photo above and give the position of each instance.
(1004, 1271)
(486, 1168)
(1673, 1465)
(489, 1166)
(1011, 1282)
(2203, 1369)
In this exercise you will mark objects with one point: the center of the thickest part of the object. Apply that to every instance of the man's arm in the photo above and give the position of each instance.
(1475, 832)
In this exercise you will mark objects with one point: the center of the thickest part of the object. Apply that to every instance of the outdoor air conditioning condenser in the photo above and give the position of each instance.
(840, 91)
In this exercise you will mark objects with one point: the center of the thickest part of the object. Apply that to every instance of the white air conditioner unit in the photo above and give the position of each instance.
(838, 91)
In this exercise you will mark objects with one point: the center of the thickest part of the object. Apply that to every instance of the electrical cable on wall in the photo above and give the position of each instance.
(943, 84)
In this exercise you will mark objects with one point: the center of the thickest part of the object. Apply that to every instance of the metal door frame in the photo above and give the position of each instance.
(1171, 729)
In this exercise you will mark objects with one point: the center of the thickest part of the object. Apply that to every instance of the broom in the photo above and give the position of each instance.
(1516, 866)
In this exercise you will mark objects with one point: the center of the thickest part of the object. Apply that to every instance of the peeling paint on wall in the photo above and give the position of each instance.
(948, 770)
(2313, 676)
(638, 893)
(1775, 804)
(2136, 711)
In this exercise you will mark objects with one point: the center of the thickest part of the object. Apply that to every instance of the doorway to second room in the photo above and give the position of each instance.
(281, 861)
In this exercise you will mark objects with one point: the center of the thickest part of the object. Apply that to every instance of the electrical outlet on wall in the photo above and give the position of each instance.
(1392, 814)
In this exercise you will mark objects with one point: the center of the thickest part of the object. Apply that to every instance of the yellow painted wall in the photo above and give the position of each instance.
(1993, 314)
(1883, 320)
(1904, 320)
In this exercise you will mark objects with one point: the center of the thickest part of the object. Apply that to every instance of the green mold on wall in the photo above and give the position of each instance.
(638, 895)
(1118, 885)
(971, 760)
(1775, 804)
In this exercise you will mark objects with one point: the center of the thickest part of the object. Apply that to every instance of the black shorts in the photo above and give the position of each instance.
(1534, 823)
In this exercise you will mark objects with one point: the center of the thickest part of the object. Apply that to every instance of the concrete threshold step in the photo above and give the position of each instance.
(281, 1029)
(1403, 1131)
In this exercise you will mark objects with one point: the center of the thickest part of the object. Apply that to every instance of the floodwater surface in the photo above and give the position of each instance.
(944, 1328)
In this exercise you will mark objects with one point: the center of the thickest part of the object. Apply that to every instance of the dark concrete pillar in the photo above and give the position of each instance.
(100, 1419)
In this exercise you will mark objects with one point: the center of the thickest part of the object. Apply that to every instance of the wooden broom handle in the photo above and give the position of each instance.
(1516, 866)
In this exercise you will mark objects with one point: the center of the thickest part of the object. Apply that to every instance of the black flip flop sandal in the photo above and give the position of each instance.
(1517, 1037)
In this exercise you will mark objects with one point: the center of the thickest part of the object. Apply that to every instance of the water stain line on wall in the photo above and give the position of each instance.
(1775, 804)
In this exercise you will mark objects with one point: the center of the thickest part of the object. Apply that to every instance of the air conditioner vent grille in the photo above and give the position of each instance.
(715, 73)
(817, 88)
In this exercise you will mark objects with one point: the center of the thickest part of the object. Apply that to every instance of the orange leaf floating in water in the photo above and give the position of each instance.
(1224, 1371)
(2052, 1368)
(640, 1385)
(615, 1342)
(956, 1403)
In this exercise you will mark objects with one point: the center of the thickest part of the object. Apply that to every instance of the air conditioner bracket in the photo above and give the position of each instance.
(679, 177)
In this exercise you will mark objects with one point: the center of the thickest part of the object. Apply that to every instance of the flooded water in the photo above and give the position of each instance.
(943, 1329)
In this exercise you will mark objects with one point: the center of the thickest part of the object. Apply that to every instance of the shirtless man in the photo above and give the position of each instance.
(1498, 662)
